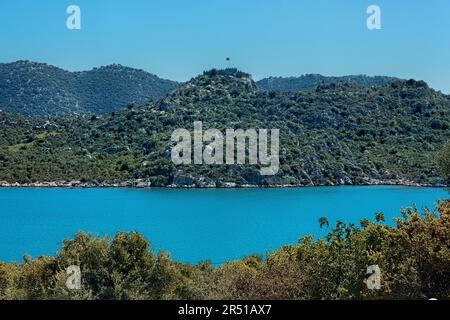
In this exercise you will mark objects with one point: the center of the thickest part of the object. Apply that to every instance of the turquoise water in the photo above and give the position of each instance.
(193, 225)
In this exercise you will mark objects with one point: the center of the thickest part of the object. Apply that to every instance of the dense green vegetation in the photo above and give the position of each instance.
(413, 257)
(41, 90)
(444, 161)
(336, 134)
(310, 82)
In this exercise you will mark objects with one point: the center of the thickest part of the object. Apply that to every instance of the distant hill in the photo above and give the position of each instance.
(41, 90)
(338, 134)
(312, 81)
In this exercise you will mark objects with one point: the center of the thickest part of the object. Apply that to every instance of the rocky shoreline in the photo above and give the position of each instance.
(143, 184)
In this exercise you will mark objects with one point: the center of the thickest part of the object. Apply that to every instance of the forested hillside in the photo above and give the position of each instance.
(41, 90)
(309, 82)
(338, 134)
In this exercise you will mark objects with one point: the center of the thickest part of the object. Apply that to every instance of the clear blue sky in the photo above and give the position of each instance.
(177, 39)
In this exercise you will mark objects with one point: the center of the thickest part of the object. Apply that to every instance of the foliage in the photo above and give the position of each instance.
(310, 82)
(335, 135)
(413, 256)
(41, 90)
(444, 161)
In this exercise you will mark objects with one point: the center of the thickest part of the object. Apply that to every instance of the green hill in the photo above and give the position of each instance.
(41, 90)
(309, 82)
(337, 134)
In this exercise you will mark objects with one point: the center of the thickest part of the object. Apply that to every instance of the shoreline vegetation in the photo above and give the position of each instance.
(336, 134)
(144, 184)
(413, 258)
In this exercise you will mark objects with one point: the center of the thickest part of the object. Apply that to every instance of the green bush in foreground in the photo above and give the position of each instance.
(414, 258)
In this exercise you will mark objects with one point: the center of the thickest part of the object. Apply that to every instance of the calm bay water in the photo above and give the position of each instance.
(193, 225)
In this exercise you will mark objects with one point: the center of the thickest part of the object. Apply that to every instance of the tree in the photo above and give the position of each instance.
(323, 221)
(444, 161)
